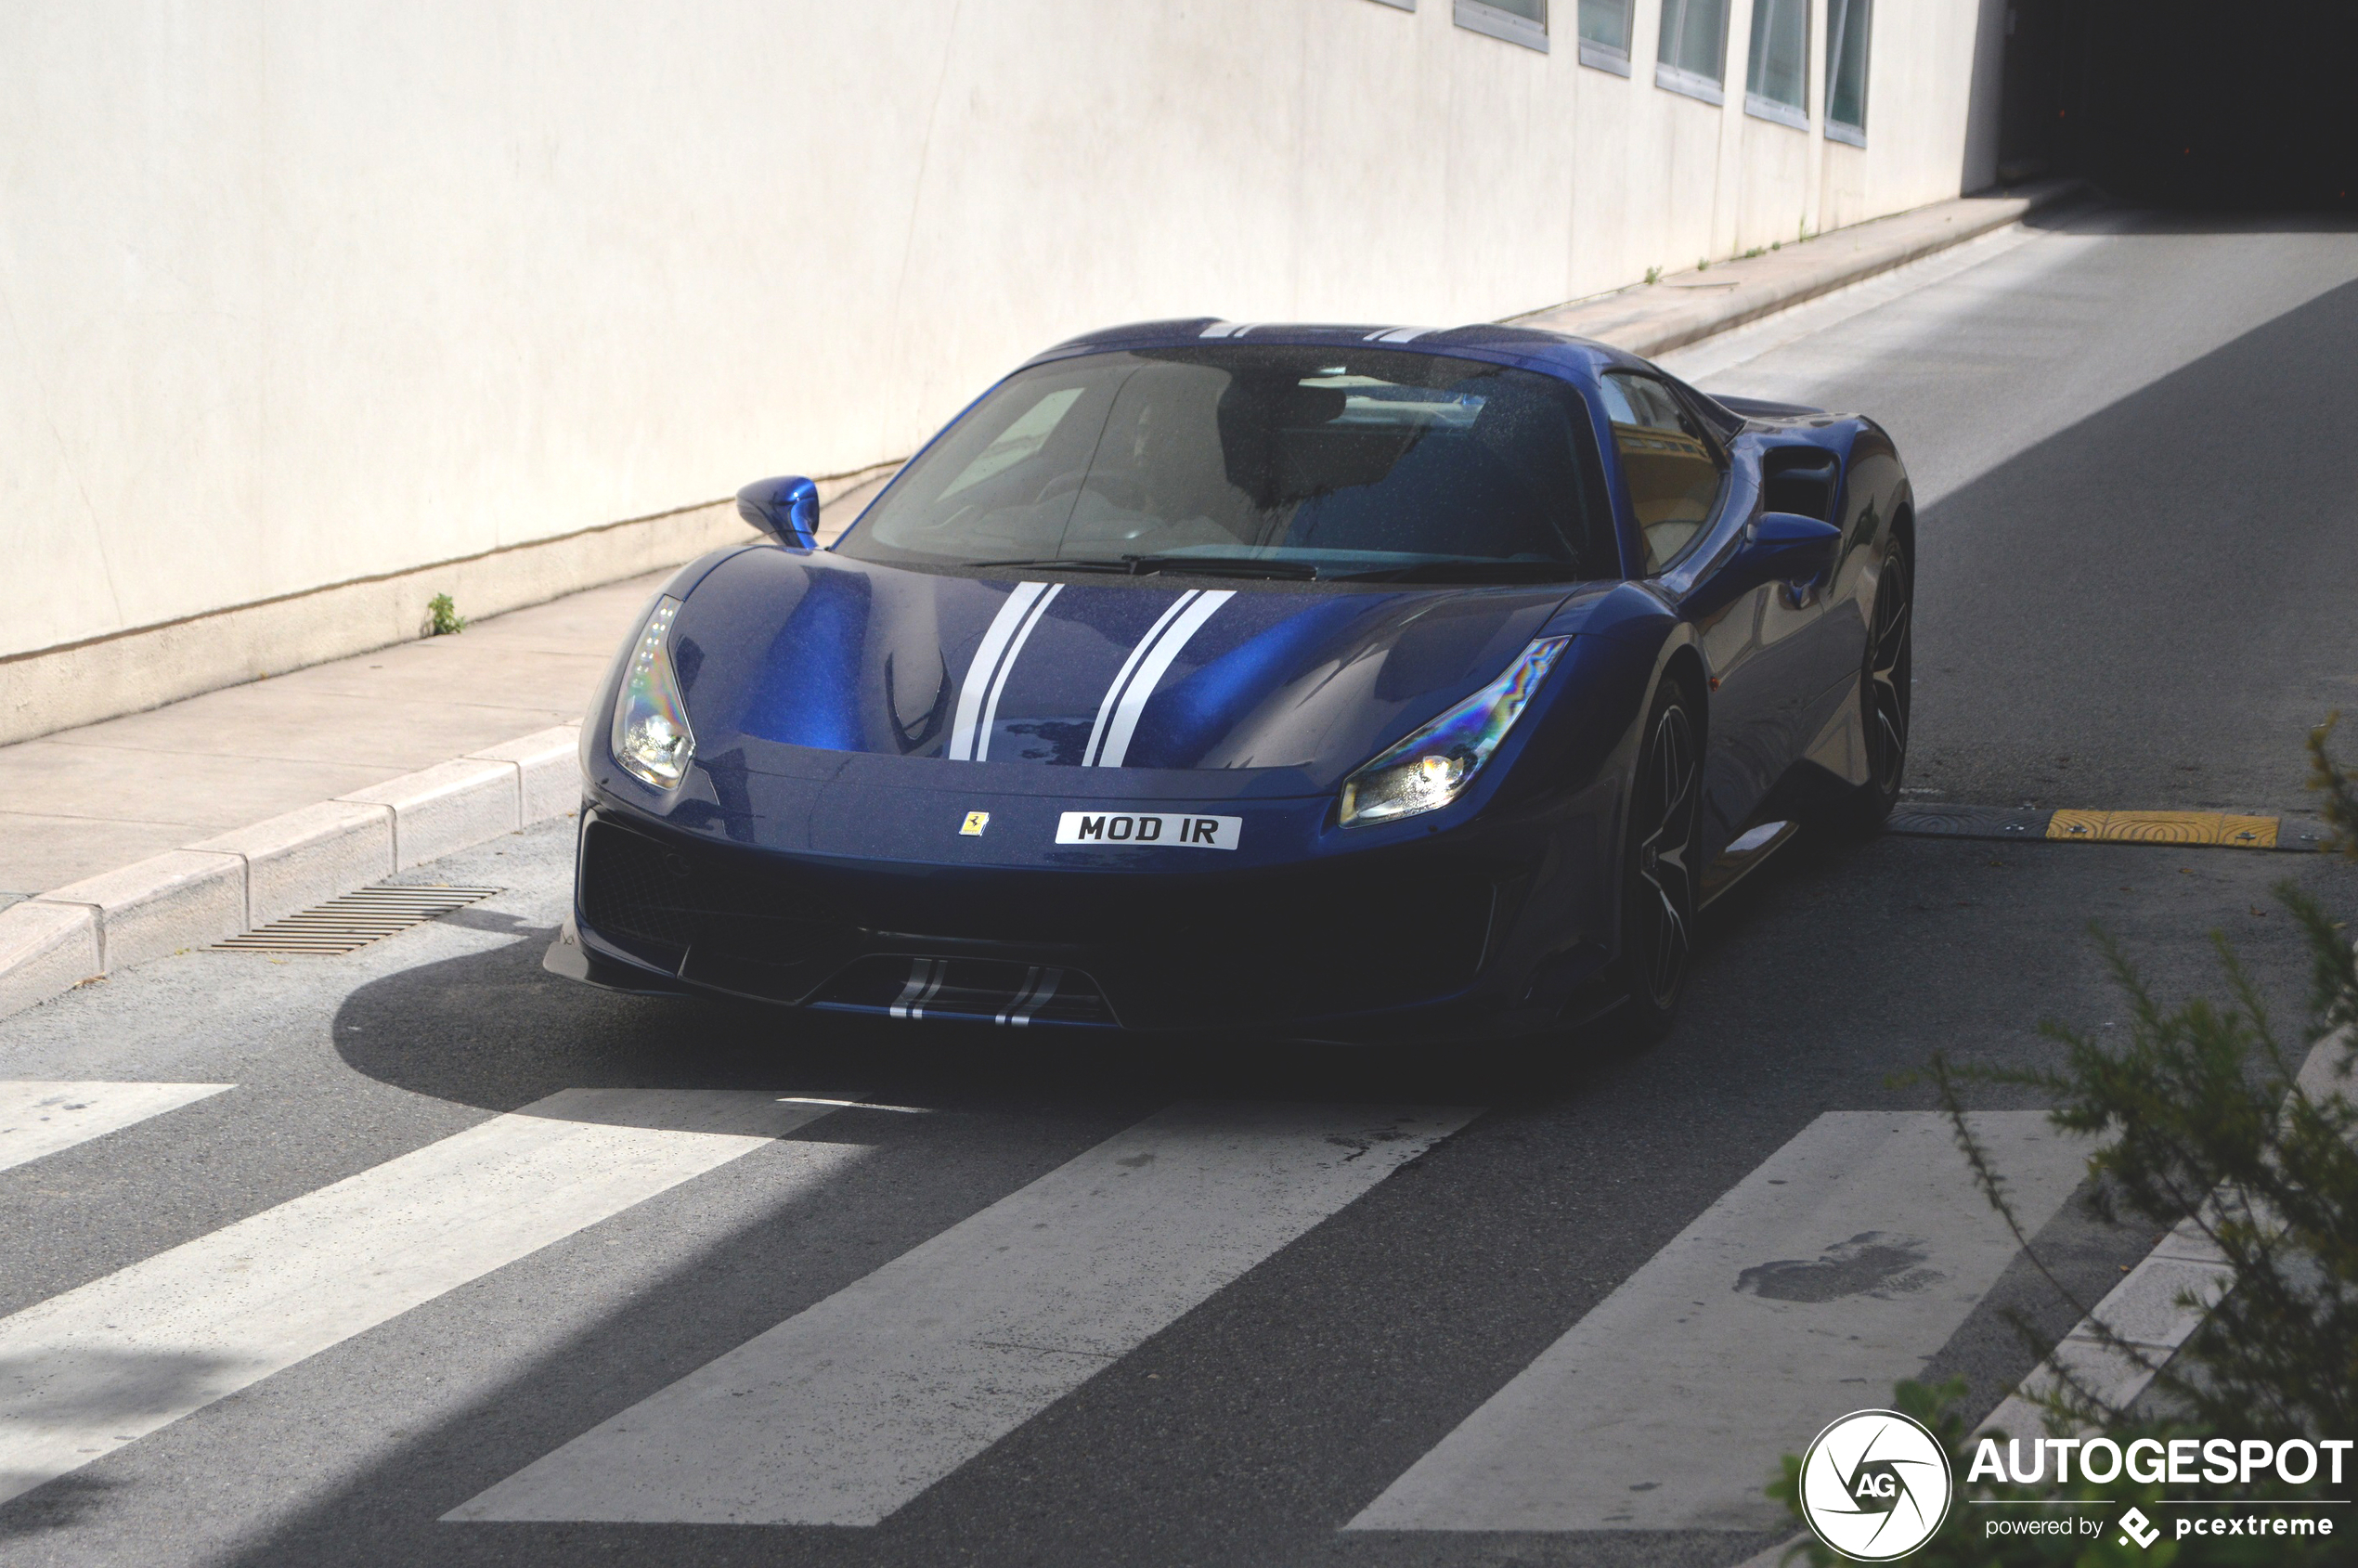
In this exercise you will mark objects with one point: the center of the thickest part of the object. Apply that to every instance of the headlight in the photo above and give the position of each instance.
(1432, 767)
(651, 733)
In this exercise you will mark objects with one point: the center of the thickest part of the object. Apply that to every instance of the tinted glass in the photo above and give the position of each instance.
(1694, 36)
(1530, 10)
(1606, 22)
(1780, 51)
(1331, 460)
(1672, 472)
(1847, 31)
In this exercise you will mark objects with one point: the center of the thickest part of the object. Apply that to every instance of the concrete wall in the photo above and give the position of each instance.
(297, 293)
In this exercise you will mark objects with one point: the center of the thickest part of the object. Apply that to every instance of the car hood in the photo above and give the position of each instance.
(781, 653)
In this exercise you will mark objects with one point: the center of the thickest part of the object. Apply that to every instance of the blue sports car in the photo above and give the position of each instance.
(1351, 683)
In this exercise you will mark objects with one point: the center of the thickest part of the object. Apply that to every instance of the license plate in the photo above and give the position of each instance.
(1153, 829)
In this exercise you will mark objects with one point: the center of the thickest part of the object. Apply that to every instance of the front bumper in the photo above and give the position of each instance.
(1407, 942)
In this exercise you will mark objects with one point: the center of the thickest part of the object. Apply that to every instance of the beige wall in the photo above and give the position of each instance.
(296, 293)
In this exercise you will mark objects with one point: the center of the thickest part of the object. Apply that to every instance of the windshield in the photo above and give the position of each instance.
(1256, 460)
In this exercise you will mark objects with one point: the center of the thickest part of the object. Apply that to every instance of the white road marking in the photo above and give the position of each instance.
(1666, 1407)
(1150, 671)
(40, 1117)
(83, 1373)
(849, 1409)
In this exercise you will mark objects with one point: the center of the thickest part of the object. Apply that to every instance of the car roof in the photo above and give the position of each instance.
(1580, 358)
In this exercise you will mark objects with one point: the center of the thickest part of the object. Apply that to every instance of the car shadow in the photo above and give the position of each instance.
(494, 1030)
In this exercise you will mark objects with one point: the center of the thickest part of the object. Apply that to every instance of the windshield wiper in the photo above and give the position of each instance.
(1063, 563)
(1146, 565)
(1467, 570)
(1222, 565)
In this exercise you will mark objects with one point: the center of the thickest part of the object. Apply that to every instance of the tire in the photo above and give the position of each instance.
(1885, 680)
(1660, 874)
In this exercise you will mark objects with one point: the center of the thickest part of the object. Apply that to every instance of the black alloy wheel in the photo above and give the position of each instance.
(1883, 686)
(1662, 877)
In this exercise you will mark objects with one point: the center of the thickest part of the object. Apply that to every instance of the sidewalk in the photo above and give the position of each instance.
(184, 824)
(1652, 319)
(83, 801)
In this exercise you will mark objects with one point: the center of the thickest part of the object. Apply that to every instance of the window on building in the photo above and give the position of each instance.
(1518, 21)
(1604, 34)
(1667, 461)
(1847, 32)
(1693, 56)
(1777, 85)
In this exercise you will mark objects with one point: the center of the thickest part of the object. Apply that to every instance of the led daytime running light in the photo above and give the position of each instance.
(651, 735)
(1434, 766)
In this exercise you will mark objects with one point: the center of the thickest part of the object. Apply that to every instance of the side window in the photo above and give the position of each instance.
(1673, 471)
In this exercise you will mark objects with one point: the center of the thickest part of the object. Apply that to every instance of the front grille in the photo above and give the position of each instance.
(976, 990)
(637, 893)
(1160, 951)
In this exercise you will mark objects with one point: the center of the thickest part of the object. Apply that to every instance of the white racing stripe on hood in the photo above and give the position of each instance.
(986, 676)
(1144, 670)
(1130, 668)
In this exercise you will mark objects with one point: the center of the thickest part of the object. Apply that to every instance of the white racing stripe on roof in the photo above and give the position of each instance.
(83, 1373)
(45, 1116)
(1153, 663)
(1666, 1407)
(846, 1411)
(982, 674)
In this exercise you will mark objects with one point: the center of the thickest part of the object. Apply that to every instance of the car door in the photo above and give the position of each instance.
(1756, 641)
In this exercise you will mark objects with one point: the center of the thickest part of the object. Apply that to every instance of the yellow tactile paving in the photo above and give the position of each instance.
(2165, 827)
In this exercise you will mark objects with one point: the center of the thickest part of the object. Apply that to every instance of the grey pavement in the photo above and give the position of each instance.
(1254, 1424)
(87, 801)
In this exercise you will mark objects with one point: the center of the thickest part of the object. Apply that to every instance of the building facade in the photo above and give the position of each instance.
(304, 299)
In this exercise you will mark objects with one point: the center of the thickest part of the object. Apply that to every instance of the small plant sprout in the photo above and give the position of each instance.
(1654, 275)
(447, 620)
(1704, 266)
(1754, 252)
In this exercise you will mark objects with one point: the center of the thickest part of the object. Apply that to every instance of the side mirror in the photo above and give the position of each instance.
(786, 510)
(1783, 547)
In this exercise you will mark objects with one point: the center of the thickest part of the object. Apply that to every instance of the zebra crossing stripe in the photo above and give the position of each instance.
(40, 1117)
(1806, 1292)
(85, 1372)
(854, 1407)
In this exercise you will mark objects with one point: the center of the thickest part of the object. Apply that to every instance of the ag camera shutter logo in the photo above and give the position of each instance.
(1875, 1485)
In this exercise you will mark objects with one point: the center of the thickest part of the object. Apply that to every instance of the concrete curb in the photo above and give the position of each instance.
(1653, 318)
(218, 887)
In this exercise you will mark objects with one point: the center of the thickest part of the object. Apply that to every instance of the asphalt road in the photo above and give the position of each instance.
(396, 1292)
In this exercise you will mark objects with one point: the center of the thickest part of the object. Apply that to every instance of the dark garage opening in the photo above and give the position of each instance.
(2189, 103)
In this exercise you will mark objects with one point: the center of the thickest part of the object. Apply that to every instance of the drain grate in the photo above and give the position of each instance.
(353, 921)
